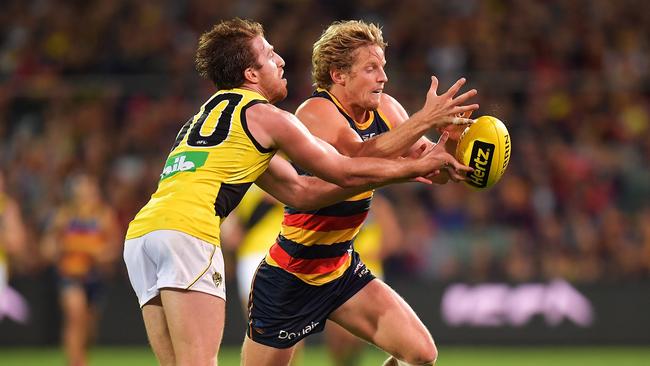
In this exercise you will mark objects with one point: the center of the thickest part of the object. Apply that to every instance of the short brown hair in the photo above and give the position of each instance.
(225, 51)
(336, 47)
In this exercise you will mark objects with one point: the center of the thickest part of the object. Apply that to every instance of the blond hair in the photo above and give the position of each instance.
(336, 47)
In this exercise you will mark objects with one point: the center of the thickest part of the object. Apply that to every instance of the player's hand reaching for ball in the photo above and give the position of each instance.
(443, 165)
(447, 109)
(455, 130)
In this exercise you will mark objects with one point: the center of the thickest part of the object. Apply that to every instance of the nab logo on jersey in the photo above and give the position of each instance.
(481, 161)
(183, 162)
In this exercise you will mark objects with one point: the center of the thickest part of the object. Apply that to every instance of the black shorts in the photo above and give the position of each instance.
(283, 309)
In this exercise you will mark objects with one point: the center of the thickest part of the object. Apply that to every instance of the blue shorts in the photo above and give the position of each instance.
(283, 309)
(91, 284)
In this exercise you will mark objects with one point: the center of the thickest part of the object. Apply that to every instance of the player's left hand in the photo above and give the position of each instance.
(451, 169)
(416, 154)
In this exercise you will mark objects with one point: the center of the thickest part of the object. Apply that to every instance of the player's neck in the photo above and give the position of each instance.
(358, 114)
(255, 88)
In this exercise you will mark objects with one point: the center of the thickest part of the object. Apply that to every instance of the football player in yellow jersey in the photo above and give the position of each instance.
(12, 245)
(172, 249)
(83, 243)
(311, 274)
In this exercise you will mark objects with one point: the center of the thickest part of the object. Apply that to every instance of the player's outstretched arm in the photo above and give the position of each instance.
(282, 181)
(323, 119)
(438, 111)
(284, 131)
(308, 193)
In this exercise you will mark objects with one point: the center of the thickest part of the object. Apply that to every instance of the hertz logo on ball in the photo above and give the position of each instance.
(481, 161)
(485, 147)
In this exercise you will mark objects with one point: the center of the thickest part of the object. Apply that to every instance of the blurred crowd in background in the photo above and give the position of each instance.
(103, 87)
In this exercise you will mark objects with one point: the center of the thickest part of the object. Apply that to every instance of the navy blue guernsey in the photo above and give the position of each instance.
(316, 245)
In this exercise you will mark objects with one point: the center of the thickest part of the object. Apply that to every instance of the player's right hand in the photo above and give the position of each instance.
(447, 109)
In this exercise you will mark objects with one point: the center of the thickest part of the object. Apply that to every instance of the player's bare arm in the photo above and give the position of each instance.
(50, 241)
(282, 181)
(275, 128)
(323, 120)
(397, 116)
(14, 234)
(110, 230)
(438, 111)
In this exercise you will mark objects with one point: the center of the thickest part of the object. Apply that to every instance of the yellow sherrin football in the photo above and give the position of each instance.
(484, 146)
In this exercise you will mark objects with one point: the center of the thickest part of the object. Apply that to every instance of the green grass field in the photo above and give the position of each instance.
(316, 356)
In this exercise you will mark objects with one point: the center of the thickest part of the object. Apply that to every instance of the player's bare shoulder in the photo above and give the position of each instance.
(392, 109)
(316, 106)
(386, 100)
(266, 114)
(317, 111)
(264, 121)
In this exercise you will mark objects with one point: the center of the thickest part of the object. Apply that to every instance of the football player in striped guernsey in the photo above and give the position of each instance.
(312, 273)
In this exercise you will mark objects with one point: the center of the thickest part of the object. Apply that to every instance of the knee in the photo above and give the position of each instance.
(425, 354)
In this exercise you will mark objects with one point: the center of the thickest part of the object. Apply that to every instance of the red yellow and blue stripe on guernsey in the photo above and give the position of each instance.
(316, 246)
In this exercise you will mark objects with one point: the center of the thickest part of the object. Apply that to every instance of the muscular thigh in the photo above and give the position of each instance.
(193, 315)
(379, 315)
(195, 321)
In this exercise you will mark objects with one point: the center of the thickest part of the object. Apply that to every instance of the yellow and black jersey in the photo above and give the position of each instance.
(368, 244)
(260, 217)
(316, 245)
(212, 164)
